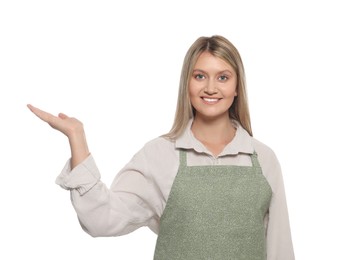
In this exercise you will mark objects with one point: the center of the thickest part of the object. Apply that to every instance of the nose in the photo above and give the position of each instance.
(210, 88)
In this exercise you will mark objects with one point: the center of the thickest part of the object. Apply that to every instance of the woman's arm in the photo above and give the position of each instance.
(279, 241)
(129, 204)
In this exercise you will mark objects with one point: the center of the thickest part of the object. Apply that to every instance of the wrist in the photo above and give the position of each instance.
(79, 147)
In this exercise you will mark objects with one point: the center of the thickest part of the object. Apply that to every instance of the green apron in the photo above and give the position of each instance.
(215, 213)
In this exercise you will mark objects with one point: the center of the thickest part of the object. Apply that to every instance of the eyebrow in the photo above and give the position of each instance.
(223, 71)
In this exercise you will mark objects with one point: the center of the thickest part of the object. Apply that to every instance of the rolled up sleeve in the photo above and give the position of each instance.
(82, 178)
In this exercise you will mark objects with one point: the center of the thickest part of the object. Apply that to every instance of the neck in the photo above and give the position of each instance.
(216, 131)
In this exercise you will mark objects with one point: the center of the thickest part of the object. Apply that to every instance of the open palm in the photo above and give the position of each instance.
(63, 123)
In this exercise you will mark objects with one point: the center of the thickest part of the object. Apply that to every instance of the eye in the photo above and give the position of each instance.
(223, 78)
(199, 76)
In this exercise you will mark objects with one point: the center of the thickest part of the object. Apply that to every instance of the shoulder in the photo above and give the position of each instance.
(269, 163)
(159, 148)
(154, 154)
(159, 144)
(263, 150)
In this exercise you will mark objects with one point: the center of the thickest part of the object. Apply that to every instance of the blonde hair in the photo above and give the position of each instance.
(221, 48)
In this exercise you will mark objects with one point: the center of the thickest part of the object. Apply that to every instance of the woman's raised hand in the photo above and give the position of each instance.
(66, 125)
(69, 126)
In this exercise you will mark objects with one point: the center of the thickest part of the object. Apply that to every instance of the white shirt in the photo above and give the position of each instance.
(139, 192)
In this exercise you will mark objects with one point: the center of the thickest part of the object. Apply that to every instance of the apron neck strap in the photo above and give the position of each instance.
(183, 158)
(254, 158)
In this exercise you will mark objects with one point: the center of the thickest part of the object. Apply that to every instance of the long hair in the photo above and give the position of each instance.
(222, 48)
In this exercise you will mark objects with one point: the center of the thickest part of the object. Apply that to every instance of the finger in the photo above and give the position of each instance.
(45, 116)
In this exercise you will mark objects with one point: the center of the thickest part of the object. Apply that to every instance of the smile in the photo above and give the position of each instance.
(210, 100)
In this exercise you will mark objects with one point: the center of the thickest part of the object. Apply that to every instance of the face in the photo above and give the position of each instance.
(212, 87)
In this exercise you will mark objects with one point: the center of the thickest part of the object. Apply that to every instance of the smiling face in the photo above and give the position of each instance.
(212, 87)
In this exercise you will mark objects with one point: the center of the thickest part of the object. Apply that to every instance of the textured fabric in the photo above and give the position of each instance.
(215, 212)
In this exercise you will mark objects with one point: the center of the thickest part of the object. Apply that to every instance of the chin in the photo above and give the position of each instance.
(212, 116)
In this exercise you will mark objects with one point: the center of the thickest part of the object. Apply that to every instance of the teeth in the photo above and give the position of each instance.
(211, 99)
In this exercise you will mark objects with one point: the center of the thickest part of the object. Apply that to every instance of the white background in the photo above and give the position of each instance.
(115, 65)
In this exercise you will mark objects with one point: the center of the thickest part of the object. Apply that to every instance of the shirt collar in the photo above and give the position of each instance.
(241, 143)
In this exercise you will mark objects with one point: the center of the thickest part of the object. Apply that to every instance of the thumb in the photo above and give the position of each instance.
(62, 116)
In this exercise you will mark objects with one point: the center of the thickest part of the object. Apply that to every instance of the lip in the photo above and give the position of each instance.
(210, 100)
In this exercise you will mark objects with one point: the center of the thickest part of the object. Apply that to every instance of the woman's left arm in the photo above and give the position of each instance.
(278, 233)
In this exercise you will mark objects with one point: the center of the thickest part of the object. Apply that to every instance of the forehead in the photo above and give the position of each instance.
(209, 62)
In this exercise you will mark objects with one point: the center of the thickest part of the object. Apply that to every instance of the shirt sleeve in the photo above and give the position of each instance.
(127, 205)
(278, 236)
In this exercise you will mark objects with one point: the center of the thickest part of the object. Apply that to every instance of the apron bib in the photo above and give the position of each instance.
(215, 213)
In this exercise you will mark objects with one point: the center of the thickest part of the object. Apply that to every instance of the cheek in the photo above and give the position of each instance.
(232, 90)
(191, 95)
(192, 90)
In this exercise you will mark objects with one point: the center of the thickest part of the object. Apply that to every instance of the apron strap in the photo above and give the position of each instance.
(254, 158)
(183, 158)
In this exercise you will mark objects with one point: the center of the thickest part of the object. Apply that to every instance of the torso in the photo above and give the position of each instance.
(215, 212)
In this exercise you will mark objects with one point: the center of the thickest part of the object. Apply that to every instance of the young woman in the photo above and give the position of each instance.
(207, 188)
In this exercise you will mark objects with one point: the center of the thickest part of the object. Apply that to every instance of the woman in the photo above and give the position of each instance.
(207, 188)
